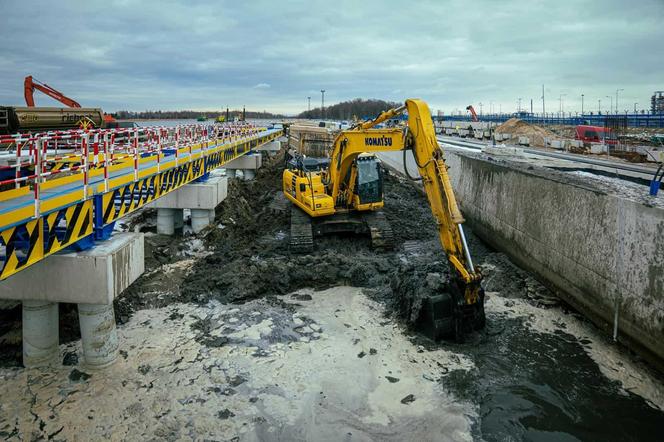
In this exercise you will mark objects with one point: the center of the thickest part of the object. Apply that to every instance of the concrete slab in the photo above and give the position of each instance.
(272, 146)
(204, 195)
(249, 161)
(94, 276)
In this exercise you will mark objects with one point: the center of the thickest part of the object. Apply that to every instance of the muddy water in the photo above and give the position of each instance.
(334, 363)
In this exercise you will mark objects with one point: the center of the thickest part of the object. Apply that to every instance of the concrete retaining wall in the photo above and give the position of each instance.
(600, 251)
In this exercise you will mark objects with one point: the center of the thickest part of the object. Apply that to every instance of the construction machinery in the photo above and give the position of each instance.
(39, 119)
(31, 84)
(346, 195)
(473, 114)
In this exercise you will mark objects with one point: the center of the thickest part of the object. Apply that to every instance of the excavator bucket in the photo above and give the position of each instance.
(445, 315)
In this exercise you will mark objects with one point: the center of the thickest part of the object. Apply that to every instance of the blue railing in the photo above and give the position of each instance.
(632, 120)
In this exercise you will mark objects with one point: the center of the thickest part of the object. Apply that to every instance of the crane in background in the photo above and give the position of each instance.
(471, 109)
(29, 86)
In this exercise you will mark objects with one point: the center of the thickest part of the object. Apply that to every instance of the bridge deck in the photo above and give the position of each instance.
(55, 201)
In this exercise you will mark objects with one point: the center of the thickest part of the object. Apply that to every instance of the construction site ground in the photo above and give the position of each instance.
(229, 336)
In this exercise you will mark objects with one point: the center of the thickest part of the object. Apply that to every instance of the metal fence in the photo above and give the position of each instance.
(633, 120)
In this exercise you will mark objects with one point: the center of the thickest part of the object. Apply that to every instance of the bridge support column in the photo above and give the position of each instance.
(200, 219)
(98, 334)
(40, 333)
(166, 221)
(201, 197)
(248, 164)
(92, 279)
(271, 148)
(178, 220)
(230, 173)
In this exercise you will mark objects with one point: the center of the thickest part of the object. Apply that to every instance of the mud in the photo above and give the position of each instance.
(228, 336)
(248, 254)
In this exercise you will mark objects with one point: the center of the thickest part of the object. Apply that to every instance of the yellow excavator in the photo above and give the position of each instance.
(345, 194)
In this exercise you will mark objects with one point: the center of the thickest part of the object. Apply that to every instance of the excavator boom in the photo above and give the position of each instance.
(473, 114)
(29, 86)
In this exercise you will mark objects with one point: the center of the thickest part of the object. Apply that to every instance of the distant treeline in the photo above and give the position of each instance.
(348, 109)
(186, 114)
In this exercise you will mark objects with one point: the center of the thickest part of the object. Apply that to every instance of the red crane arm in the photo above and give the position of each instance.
(29, 86)
(472, 112)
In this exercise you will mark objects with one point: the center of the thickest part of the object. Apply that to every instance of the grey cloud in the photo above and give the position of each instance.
(267, 55)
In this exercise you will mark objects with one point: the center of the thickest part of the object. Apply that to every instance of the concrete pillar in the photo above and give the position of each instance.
(200, 219)
(248, 174)
(166, 221)
(178, 220)
(212, 216)
(230, 173)
(98, 334)
(41, 337)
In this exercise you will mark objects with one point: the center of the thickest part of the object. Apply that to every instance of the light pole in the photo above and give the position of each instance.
(562, 106)
(599, 106)
(635, 107)
(611, 108)
(322, 104)
(581, 104)
(480, 108)
(309, 105)
(618, 90)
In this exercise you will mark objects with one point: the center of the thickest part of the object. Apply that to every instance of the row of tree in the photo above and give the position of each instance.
(347, 110)
(188, 114)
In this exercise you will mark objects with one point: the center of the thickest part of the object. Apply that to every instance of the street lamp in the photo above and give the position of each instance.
(309, 105)
(562, 106)
(599, 106)
(635, 107)
(322, 104)
(611, 108)
(581, 104)
(617, 90)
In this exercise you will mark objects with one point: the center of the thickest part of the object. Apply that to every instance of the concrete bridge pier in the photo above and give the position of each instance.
(271, 148)
(41, 337)
(248, 164)
(92, 279)
(200, 197)
(98, 334)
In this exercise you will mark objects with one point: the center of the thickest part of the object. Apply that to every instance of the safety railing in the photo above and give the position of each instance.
(44, 161)
(62, 189)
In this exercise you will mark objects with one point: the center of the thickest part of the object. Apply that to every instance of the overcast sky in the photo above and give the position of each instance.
(271, 55)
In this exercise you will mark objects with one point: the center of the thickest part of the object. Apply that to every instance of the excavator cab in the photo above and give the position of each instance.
(369, 183)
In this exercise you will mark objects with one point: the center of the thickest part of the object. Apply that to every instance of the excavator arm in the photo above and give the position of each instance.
(420, 138)
(473, 114)
(29, 86)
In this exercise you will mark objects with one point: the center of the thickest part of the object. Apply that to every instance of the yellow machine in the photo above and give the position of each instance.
(346, 193)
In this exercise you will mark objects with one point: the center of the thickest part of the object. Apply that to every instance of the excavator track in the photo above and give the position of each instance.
(301, 234)
(382, 237)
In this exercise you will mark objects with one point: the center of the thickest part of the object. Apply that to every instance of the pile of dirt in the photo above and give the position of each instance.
(516, 128)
